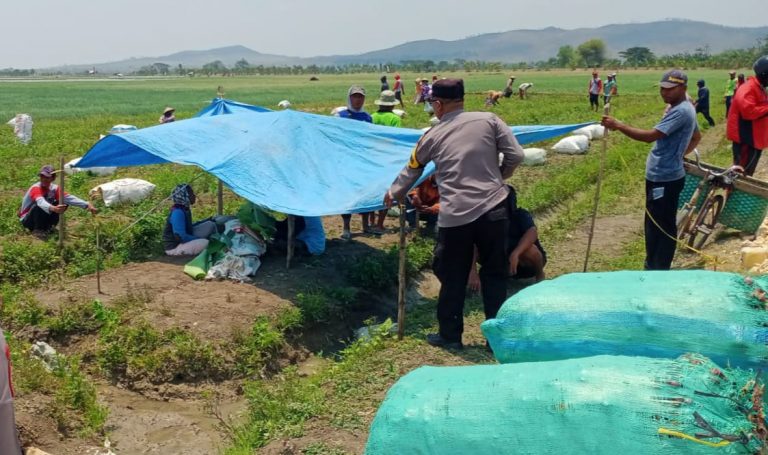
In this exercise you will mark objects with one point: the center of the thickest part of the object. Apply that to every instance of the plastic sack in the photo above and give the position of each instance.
(122, 128)
(241, 244)
(284, 104)
(233, 267)
(70, 168)
(591, 131)
(123, 190)
(22, 127)
(597, 405)
(653, 314)
(534, 156)
(572, 145)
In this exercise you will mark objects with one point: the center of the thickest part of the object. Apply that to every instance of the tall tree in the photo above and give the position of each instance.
(638, 56)
(592, 52)
(566, 57)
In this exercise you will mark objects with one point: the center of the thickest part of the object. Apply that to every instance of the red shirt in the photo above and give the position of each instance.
(748, 116)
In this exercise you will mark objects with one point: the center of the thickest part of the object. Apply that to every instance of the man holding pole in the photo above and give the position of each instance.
(465, 148)
(43, 203)
(676, 135)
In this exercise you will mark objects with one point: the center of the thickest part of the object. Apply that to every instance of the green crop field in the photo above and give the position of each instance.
(69, 115)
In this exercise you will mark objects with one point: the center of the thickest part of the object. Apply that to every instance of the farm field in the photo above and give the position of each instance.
(160, 363)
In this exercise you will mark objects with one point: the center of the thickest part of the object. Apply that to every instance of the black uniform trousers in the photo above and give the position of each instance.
(452, 262)
(661, 199)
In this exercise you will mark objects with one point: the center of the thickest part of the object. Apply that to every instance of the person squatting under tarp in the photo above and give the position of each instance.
(423, 200)
(676, 135)
(309, 235)
(42, 204)
(9, 438)
(748, 119)
(181, 237)
(465, 148)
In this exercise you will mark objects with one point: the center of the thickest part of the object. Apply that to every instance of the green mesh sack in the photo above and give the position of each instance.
(652, 314)
(595, 405)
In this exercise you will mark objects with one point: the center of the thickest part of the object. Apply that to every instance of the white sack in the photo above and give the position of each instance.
(591, 131)
(573, 145)
(22, 127)
(123, 190)
(70, 168)
(534, 156)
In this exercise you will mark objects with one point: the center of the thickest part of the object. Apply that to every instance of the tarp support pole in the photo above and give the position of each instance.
(98, 257)
(418, 224)
(220, 199)
(401, 278)
(62, 223)
(289, 249)
(603, 152)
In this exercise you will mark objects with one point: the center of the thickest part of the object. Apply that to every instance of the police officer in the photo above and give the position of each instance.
(465, 148)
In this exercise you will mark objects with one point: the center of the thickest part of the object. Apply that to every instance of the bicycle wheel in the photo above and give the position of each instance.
(684, 221)
(705, 223)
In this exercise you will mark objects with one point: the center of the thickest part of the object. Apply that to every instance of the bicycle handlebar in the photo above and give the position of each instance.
(733, 172)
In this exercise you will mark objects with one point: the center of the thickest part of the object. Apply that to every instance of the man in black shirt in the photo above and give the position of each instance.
(702, 102)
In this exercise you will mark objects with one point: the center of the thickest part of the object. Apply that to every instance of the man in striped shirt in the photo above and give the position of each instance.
(43, 203)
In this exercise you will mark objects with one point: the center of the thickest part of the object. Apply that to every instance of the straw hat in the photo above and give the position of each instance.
(387, 98)
(168, 109)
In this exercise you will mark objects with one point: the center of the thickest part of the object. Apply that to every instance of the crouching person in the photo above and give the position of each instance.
(43, 203)
(527, 257)
(181, 237)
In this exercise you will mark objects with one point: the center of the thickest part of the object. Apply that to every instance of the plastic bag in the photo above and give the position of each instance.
(591, 131)
(22, 127)
(123, 190)
(70, 168)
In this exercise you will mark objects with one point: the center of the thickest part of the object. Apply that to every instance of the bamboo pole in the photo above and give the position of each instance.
(289, 249)
(98, 258)
(220, 198)
(401, 278)
(62, 224)
(603, 152)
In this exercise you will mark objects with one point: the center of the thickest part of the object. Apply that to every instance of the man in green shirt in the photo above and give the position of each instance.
(730, 88)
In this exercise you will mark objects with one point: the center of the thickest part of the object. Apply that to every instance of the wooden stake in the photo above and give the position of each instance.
(220, 199)
(98, 258)
(603, 152)
(62, 224)
(289, 252)
(401, 278)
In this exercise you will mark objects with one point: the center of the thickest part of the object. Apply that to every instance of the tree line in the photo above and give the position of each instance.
(589, 54)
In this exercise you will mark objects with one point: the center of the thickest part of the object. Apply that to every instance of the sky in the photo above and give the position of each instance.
(44, 33)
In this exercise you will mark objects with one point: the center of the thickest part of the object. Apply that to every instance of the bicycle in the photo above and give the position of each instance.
(697, 223)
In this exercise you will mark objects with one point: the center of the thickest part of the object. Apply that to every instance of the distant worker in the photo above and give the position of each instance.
(730, 89)
(180, 236)
(465, 148)
(527, 257)
(43, 204)
(702, 102)
(9, 437)
(748, 119)
(492, 98)
(417, 92)
(355, 111)
(384, 116)
(384, 83)
(608, 88)
(595, 89)
(523, 88)
(399, 90)
(168, 116)
(676, 135)
(509, 89)
(739, 81)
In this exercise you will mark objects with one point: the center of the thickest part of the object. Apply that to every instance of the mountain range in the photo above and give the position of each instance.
(662, 37)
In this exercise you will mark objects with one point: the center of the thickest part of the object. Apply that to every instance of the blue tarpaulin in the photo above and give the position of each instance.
(292, 162)
(221, 106)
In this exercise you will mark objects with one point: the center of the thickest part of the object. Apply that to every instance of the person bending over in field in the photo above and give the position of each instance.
(43, 203)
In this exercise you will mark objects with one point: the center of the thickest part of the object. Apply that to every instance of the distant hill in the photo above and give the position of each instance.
(663, 37)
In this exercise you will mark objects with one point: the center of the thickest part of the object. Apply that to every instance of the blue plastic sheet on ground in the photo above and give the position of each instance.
(292, 162)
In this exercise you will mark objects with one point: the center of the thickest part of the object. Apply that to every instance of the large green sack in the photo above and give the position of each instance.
(653, 314)
(595, 405)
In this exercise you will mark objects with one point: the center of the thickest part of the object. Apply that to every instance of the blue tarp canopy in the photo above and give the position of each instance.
(221, 106)
(293, 162)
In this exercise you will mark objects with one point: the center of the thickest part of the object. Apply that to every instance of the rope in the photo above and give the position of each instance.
(680, 435)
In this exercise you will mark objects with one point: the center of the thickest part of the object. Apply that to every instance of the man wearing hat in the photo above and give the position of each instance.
(730, 88)
(509, 89)
(465, 148)
(168, 116)
(675, 135)
(42, 203)
(748, 119)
